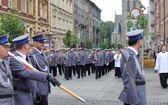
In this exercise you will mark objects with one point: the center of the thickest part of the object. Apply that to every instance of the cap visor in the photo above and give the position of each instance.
(7, 44)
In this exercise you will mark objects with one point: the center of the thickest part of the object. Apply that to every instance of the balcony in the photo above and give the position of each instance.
(158, 15)
(153, 22)
(152, 10)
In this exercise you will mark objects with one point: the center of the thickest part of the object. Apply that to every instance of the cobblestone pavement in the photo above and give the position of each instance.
(105, 91)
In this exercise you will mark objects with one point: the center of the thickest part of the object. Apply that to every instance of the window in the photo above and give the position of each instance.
(128, 6)
(30, 7)
(23, 6)
(43, 10)
(134, 4)
(11, 3)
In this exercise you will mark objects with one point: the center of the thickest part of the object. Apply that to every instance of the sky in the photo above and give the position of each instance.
(109, 7)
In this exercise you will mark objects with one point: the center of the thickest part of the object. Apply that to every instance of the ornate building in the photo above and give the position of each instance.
(127, 6)
(61, 20)
(34, 13)
(86, 19)
(159, 22)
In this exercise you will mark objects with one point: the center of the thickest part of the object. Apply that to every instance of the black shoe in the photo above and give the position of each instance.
(78, 77)
(96, 78)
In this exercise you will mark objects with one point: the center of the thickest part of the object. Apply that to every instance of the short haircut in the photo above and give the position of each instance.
(19, 46)
(132, 42)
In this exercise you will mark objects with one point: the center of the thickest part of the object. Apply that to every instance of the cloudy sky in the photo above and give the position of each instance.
(109, 7)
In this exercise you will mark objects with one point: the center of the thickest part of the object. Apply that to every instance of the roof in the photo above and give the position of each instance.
(117, 28)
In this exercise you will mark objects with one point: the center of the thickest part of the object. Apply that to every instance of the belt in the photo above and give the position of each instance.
(6, 96)
(23, 90)
(138, 83)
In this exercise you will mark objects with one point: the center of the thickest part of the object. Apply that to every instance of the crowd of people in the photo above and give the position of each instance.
(83, 62)
(19, 84)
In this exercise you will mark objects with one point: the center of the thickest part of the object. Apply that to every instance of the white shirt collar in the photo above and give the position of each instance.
(37, 50)
(133, 49)
(23, 55)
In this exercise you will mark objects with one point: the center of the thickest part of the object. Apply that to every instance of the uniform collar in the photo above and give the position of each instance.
(37, 50)
(133, 49)
(22, 55)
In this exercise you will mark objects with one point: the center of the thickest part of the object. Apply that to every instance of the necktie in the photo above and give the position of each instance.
(27, 59)
(138, 55)
(3, 65)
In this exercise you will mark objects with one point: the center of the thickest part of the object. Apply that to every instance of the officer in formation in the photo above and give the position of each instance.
(84, 62)
(134, 92)
(6, 87)
(27, 82)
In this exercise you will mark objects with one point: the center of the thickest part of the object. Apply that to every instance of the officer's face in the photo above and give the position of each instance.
(140, 43)
(4, 51)
(40, 45)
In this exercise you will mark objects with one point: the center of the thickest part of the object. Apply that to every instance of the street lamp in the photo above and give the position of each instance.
(164, 23)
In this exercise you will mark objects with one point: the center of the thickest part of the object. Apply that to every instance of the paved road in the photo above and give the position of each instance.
(105, 91)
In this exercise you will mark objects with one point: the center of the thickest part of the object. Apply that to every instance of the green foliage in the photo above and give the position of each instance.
(140, 23)
(103, 44)
(74, 41)
(88, 43)
(10, 24)
(70, 40)
(117, 45)
(106, 28)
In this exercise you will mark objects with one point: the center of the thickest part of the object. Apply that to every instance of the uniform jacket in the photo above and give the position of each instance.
(132, 94)
(6, 87)
(22, 79)
(41, 64)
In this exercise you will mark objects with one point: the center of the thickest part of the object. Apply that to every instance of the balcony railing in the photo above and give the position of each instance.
(153, 22)
(152, 10)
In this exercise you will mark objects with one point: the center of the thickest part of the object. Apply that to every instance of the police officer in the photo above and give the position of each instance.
(6, 88)
(134, 92)
(40, 62)
(22, 82)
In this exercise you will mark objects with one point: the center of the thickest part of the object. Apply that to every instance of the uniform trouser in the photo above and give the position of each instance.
(74, 69)
(110, 66)
(88, 68)
(60, 69)
(98, 71)
(126, 104)
(52, 70)
(80, 69)
(163, 79)
(43, 101)
(67, 72)
(93, 67)
(103, 69)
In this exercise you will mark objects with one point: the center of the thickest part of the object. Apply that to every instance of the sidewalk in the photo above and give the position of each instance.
(105, 91)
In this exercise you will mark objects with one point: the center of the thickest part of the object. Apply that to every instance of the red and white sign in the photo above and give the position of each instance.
(135, 12)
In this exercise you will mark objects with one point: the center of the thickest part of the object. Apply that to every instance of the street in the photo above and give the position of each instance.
(105, 91)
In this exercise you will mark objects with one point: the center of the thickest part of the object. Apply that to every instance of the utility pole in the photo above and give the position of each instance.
(164, 38)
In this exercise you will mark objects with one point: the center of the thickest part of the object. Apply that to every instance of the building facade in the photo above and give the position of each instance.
(127, 6)
(159, 22)
(86, 18)
(116, 35)
(33, 13)
(61, 21)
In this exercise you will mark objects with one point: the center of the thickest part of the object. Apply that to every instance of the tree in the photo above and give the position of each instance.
(140, 23)
(11, 24)
(103, 44)
(106, 28)
(88, 43)
(70, 40)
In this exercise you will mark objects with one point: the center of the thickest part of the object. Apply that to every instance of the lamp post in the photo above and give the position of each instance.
(142, 9)
(164, 23)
